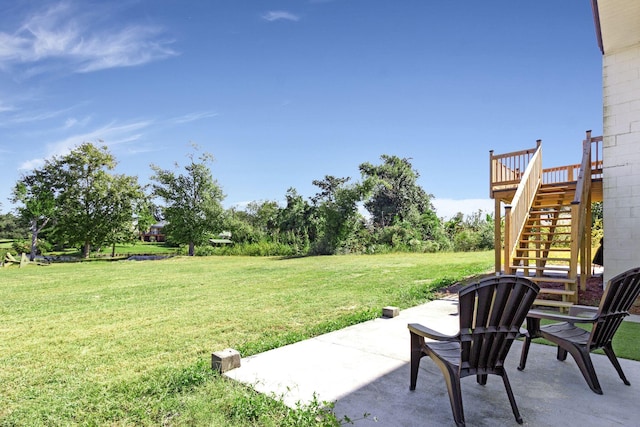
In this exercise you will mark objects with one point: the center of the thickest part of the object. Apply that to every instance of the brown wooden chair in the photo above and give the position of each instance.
(618, 296)
(491, 313)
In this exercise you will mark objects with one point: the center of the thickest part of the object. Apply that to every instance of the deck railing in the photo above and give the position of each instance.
(581, 210)
(507, 170)
(517, 213)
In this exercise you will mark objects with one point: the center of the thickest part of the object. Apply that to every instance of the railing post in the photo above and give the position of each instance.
(492, 178)
(497, 236)
(507, 239)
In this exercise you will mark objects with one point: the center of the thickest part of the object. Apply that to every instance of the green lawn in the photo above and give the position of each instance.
(129, 343)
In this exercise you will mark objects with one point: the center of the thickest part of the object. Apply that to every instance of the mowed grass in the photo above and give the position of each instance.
(129, 343)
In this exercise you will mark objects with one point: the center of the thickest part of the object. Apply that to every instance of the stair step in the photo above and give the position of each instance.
(553, 291)
(549, 204)
(551, 192)
(535, 241)
(544, 233)
(532, 258)
(548, 267)
(552, 303)
(549, 216)
(554, 187)
(545, 279)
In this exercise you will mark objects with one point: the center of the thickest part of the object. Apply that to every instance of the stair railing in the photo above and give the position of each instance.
(581, 215)
(517, 212)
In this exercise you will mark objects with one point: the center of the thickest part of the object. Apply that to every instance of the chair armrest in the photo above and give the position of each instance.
(423, 331)
(582, 310)
(540, 314)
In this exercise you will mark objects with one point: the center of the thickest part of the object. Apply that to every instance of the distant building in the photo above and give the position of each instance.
(155, 233)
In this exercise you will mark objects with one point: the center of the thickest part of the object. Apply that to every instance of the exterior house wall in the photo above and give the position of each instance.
(621, 156)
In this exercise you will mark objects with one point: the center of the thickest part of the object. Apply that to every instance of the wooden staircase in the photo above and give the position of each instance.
(547, 219)
(544, 251)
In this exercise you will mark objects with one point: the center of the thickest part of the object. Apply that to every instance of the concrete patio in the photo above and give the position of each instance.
(365, 369)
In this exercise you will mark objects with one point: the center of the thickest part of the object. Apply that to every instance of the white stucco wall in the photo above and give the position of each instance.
(621, 157)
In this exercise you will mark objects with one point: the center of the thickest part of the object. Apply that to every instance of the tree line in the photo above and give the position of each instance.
(79, 201)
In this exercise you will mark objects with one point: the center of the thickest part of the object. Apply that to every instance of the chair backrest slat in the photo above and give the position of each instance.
(619, 295)
(491, 313)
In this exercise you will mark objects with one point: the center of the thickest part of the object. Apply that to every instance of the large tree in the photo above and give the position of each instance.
(11, 227)
(34, 194)
(91, 204)
(193, 208)
(396, 195)
(337, 213)
(296, 224)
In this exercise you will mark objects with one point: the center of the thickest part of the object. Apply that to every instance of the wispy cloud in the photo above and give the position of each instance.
(276, 15)
(191, 117)
(36, 116)
(4, 107)
(110, 135)
(65, 33)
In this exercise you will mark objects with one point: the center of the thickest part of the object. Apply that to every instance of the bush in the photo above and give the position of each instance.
(21, 247)
(466, 241)
(262, 248)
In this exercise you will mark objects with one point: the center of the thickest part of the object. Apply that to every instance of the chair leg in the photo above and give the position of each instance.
(416, 354)
(524, 353)
(608, 350)
(583, 359)
(512, 400)
(482, 379)
(562, 354)
(455, 393)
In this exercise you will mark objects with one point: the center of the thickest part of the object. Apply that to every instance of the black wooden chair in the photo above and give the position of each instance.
(618, 296)
(491, 313)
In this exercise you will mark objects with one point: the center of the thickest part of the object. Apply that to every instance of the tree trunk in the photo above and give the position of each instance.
(192, 248)
(113, 251)
(34, 239)
(86, 250)
(35, 230)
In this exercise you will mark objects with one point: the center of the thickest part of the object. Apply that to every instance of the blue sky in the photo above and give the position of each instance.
(285, 92)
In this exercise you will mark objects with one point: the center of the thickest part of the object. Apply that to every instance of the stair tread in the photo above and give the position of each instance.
(548, 267)
(544, 233)
(553, 291)
(535, 241)
(553, 303)
(541, 242)
(550, 187)
(553, 280)
(533, 258)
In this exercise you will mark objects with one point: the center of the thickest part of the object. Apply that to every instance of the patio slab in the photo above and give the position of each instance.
(365, 369)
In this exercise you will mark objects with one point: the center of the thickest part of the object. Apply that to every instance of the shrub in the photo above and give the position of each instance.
(21, 247)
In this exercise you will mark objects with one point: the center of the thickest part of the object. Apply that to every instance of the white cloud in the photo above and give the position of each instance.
(68, 34)
(4, 107)
(191, 117)
(447, 208)
(73, 122)
(109, 135)
(37, 116)
(276, 15)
